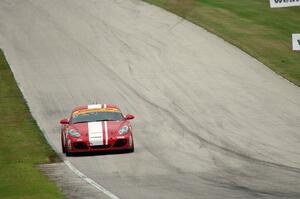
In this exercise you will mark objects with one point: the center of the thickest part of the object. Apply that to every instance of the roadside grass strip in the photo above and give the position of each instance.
(22, 146)
(251, 25)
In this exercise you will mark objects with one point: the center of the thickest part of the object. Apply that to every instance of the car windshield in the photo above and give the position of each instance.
(97, 116)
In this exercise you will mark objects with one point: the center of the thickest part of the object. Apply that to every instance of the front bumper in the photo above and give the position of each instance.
(117, 143)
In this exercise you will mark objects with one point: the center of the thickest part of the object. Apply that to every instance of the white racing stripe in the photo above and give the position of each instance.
(95, 131)
(106, 133)
(93, 106)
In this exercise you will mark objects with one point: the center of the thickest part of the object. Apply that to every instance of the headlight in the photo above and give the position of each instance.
(74, 133)
(123, 130)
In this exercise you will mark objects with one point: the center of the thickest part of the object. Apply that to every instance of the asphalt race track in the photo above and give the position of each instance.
(211, 122)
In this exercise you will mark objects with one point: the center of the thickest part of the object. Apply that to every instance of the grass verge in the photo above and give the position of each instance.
(251, 25)
(22, 145)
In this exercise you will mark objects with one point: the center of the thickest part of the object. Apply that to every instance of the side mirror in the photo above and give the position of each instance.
(129, 117)
(64, 121)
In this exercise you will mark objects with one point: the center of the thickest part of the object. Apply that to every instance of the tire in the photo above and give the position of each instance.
(68, 153)
(63, 148)
(130, 150)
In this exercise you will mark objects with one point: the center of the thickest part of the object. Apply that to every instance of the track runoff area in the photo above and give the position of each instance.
(283, 4)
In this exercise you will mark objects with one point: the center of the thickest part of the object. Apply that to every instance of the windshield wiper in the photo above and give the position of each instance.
(105, 120)
(80, 122)
(94, 121)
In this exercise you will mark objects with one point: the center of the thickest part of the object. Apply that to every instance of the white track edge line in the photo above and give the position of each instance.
(66, 162)
(90, 181)
(76, 171)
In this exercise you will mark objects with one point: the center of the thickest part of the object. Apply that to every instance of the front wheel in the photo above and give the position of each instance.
(63, 148)
(68, 153)
(68, 148)
(130, 150)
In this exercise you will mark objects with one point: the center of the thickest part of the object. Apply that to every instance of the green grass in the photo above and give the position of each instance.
(22, 146)
(251, 25)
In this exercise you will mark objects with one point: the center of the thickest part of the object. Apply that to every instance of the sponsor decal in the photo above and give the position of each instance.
(92, 137)
(296, 41)
(284, 3)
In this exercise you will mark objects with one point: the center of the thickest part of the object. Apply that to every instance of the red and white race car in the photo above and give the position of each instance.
(97, 127)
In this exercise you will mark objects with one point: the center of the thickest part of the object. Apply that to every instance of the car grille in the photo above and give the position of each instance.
(100, 147)
(80, 145)
(120, 143)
